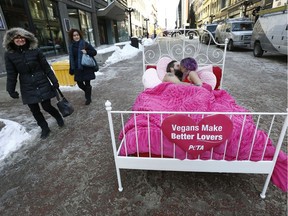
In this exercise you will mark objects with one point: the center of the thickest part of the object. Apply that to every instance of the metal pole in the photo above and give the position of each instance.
(147, 28)
(146, 19)
(130, 10)
(130, 24)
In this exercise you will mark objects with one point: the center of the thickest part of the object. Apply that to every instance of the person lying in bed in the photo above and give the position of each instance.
(183, 73)
(174, 68)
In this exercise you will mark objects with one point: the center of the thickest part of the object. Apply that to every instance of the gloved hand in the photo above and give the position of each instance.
(71, 72)
(56, 85)
(14, 94)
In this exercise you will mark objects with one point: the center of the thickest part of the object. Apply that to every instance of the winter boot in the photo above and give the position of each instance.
(60, 122)
(45, 132)
(88, 92)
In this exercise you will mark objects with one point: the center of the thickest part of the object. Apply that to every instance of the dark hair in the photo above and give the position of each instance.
(178, 74)
(170, 64)
(189, 64)
(70, 33)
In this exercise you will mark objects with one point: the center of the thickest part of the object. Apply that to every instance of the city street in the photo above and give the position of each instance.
(72, 172)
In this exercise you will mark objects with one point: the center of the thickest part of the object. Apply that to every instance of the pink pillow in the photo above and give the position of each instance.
(150, 78)
(161, 67)
(206, 74)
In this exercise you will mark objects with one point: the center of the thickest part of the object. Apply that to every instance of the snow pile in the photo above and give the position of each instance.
(147, 41)
(11, 137)
(122, 54)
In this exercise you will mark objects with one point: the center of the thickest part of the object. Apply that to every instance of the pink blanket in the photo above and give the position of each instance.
(172, 97)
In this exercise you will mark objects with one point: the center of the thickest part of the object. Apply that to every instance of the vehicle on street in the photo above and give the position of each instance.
(238, 31)
(270, 32)
(189, 33)
(205, 36)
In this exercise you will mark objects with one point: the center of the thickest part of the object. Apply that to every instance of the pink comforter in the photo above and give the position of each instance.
(172, 97)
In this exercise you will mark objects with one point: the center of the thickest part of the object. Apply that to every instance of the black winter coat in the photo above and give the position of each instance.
(85, 73)
(34, 74)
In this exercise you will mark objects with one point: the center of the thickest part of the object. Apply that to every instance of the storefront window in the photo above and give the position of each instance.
(52, 12)
(73, 18)
(82, 20)
(47, 27)
(123, 31)
(86, 27)
(11, 7)
(36, 9)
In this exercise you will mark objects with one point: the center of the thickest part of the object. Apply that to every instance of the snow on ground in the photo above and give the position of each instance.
(13, 135)
(122, 54)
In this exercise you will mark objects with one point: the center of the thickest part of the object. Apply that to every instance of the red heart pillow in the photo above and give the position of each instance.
(196, 138)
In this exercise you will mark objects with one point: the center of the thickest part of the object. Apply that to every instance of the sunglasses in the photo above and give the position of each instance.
(19, 37)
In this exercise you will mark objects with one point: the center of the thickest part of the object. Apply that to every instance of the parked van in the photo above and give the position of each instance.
(270, 32)
(237, 30)
(204, 36)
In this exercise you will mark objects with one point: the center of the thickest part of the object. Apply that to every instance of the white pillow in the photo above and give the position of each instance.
(161, 66)
(206, 74)
(150, 78)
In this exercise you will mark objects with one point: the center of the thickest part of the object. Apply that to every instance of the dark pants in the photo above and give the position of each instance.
(46, 105)
(84, 85)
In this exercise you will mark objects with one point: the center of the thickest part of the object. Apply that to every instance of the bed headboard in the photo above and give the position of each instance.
(182, 43)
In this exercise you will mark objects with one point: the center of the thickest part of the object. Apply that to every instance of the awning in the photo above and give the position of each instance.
(114, 11)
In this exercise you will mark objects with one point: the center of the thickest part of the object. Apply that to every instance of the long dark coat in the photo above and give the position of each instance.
(81, 73)
(28, 62)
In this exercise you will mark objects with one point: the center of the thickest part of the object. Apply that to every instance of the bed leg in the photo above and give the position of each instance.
(120, 188)
(263, 193)
(263, 196)
(278, 148)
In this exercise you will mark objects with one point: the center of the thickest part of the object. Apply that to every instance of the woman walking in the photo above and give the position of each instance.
(24, 59)
(82, 74)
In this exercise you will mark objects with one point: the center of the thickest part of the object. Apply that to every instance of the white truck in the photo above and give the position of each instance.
(270, 32)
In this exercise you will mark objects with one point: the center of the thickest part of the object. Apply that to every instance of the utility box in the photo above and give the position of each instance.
(61, 69)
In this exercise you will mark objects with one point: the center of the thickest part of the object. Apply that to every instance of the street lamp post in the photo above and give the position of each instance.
(130, 10)
(245, 4)
(155, 25)
(146, 20)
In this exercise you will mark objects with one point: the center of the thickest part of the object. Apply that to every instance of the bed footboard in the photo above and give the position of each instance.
(248, 155)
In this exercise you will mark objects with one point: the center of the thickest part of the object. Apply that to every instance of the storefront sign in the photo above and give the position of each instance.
(196, 138)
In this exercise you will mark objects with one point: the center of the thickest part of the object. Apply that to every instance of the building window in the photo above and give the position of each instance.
(223, 4)
(86, 26)
(82, 20)
(47, 27)
(14, 7)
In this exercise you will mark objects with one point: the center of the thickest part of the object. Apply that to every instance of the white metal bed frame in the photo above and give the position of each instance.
(117, 120)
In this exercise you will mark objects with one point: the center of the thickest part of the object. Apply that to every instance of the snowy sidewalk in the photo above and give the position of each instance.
(13, 134)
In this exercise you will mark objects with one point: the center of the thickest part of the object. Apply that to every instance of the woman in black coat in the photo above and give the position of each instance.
(82, 74)
(24, 60)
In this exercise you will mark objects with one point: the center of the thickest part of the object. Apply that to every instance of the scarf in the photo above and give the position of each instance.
(81, 46)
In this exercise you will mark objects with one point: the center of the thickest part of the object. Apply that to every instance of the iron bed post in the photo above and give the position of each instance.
(223, 64)
(277, 150)
(109, 108)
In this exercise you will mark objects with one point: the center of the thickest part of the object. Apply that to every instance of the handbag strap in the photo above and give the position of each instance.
(58, 92)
